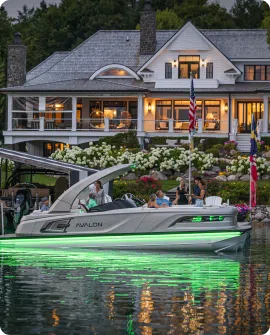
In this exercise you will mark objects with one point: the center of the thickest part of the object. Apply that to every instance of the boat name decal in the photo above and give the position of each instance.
(89, 225)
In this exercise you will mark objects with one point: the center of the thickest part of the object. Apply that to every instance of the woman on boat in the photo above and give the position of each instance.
(99, 193)
(199, 199)
(152, 202)
(92, 201)
(182, 191)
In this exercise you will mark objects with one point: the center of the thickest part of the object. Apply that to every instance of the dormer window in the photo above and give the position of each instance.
(115, 73)
(187, 65)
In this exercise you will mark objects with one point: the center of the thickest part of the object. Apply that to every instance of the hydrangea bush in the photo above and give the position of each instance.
(242, 165)
(161, 158)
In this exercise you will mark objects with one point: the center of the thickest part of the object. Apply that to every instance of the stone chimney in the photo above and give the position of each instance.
(16, 65)
(148, 29)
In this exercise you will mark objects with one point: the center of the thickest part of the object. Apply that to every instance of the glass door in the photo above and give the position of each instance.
(244, 114)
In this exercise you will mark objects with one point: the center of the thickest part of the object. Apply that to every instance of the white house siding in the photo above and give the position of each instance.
(169, 55)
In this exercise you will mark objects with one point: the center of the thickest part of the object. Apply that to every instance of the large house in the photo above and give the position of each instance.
(140, 80)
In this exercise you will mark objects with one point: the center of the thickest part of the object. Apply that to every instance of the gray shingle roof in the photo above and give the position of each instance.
(132, 85)
(86, 85)
(240, 43)
(72, 69)
(46, 64)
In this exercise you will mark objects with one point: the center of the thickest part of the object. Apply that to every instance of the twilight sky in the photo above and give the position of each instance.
(13, 6)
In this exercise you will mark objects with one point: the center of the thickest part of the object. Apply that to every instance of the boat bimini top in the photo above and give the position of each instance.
(64, 203)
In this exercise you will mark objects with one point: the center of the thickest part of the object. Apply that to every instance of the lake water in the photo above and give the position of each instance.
(112, 292)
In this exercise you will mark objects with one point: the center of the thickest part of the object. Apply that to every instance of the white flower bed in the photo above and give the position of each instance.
(242, 165)
(162, 158)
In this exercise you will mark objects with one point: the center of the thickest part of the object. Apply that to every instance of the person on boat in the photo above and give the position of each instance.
(92, 201)
(152, 203)
(199, 199)
(181, 194)
(44, 204)
(196, 189)
(161, 200)
(99, 193)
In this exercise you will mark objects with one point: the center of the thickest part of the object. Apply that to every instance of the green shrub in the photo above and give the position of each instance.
(141, 188)
(127, 140)
(238, 192)
(266, 140)
(215, 150)
(208, 142)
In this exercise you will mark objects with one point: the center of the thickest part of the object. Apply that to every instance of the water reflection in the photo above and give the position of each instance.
(114, 292)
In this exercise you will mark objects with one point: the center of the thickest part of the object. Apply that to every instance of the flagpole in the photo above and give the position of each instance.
(189, 169)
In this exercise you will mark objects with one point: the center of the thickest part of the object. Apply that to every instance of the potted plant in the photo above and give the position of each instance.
(243, 212)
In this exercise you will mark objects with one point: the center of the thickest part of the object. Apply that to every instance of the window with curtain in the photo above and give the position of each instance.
(168, 70)
(187, 65)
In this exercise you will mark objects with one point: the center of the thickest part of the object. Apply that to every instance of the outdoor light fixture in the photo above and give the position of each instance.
(149, 107)
(174, 63)
(226, 107)
(203, 62)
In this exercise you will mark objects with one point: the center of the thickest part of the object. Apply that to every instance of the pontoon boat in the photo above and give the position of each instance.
(122, 225)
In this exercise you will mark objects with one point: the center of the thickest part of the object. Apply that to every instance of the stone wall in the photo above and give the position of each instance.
(261, 214)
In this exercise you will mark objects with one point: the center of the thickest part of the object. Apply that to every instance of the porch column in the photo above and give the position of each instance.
(265, 113)
(74, 114)
(140, 113)
(10, 115)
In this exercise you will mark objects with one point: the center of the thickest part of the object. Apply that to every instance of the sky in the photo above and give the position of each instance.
(12, 6)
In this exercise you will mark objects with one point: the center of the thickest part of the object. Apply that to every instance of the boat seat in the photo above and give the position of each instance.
(117, 204)
(213, 201)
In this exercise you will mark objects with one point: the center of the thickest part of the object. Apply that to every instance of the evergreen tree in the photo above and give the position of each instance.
(247, 14)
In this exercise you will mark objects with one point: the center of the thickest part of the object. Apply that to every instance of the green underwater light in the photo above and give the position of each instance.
(123, 238)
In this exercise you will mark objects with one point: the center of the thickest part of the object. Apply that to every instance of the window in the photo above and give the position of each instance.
(163, 114)
(209, 71)
(115, 73)
(168, 71)
(50, 147)
(181, 114)
(187, 65)
(25, 104)
(212, 115)
(257, 72)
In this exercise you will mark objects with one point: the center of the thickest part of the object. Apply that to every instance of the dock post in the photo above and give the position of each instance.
(2, 218)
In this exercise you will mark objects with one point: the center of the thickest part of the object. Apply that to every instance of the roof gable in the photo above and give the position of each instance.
(187, 39)
(175, 41)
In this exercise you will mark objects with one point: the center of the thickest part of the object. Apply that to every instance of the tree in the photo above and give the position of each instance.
(247, 14)
(6, 32)
(204, 15)
(168, 19)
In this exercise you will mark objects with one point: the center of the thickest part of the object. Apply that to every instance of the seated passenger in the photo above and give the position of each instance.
(92, 201)
(152, 202)
(161, 201)
(44, 204)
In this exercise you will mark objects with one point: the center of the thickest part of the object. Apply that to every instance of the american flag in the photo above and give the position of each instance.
(253, 166)
(192, 110)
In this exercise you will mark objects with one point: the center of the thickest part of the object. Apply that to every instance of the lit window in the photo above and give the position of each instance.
(187, 65)
(115, 73)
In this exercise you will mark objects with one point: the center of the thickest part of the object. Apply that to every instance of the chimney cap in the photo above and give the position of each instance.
(17, 38)
(148, 5)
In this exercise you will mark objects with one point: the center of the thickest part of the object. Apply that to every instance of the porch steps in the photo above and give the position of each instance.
(243, 141)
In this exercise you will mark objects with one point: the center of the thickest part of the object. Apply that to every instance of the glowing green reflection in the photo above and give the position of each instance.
(131, 268)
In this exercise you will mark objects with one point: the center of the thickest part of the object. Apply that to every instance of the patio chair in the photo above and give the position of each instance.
(35, 124)
(213, 201)
(49, 124)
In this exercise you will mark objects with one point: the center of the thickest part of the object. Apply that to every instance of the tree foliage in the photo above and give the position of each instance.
(247, 14)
